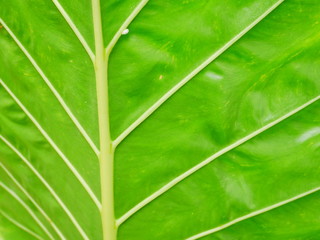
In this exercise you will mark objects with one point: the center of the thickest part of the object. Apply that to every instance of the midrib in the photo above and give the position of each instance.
(106, 150)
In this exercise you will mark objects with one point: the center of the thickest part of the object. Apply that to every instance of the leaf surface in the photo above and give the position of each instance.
(213, 113)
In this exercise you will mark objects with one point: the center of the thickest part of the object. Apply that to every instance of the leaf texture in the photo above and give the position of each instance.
(213, 112)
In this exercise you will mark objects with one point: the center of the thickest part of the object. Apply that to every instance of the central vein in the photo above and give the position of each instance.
(106, 155)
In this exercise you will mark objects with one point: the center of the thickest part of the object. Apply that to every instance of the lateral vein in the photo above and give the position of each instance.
(192, 170)
(27, 208)
(19, 225)
(190, 76)
(44, 214)
(125, 24)
(253, 214)
(47, 185)
(74, 29)
(53, 145)
(52, 88)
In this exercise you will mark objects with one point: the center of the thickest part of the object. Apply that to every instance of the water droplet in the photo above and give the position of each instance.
(126, 31)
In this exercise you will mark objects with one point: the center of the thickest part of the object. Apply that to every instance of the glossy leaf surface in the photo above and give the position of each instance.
(213, 112)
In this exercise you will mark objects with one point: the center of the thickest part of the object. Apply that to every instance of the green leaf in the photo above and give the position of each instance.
(139, 120)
